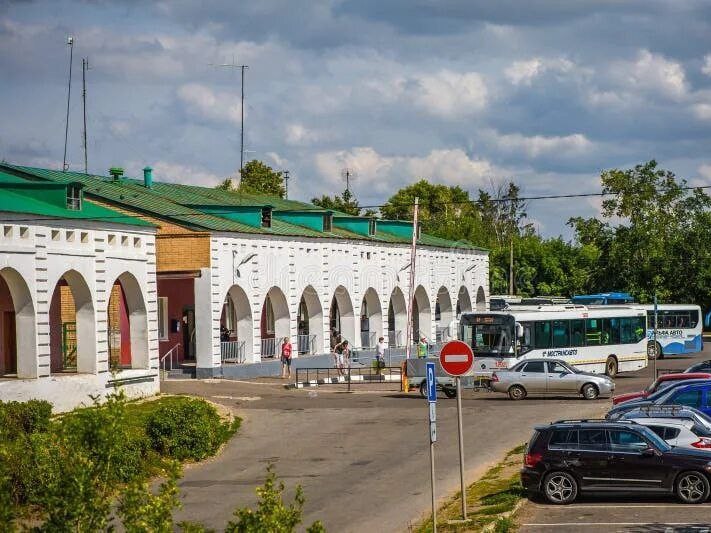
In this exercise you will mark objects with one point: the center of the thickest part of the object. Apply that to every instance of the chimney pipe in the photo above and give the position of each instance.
(148, 177)
(116, 173)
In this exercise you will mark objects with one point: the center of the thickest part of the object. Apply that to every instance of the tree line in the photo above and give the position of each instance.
(652, 235)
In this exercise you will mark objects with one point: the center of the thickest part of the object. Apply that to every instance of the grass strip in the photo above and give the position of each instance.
(490, 500)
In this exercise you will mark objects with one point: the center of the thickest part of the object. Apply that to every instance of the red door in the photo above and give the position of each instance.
(9, 347)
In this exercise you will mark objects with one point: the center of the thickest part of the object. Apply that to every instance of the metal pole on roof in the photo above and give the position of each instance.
(84, 68)
(286, 184)
(241, 134)
(411, 287)
(70, 43)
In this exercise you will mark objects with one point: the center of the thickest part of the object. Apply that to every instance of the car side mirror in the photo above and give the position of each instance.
(648, 452)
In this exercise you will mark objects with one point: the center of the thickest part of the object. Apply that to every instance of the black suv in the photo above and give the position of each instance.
(573, 456)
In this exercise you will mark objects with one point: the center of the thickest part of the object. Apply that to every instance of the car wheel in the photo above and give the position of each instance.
(423, 389)
(450, 392)
(654, 351)
(560, 488)
(692, 487)
(611, 367)
(590, 391)
(517, 392)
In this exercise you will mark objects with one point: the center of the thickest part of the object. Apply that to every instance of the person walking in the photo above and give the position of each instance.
(286, 358)
(380, 354)
(340, 352)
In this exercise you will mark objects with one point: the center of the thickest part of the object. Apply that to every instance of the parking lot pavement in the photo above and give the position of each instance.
(597, 513)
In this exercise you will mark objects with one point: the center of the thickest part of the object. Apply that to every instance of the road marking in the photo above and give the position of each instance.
(456, 358)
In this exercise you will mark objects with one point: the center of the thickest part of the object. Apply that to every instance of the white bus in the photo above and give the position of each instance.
(606, 339)
(678, 329)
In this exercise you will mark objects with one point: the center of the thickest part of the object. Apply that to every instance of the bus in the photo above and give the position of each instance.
(603, 298)
(607, 339)
(678, 329)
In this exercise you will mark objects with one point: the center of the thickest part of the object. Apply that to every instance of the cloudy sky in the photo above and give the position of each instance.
(461, 92)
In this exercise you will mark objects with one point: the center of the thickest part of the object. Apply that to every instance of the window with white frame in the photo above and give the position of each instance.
(162, 318)
(74, 197)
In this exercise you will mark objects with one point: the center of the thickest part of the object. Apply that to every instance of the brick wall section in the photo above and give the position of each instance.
(177, 248)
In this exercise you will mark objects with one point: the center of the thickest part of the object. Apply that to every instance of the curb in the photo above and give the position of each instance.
(343, 379)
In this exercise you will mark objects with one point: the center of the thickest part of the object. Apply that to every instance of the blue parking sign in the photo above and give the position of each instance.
(431, 383)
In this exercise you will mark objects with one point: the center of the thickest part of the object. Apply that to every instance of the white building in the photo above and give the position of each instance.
(77, 296)
(235, 273)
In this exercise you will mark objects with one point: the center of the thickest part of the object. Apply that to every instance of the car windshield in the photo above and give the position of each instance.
(655, 439)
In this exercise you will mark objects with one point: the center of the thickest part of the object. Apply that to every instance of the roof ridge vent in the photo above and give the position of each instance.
(115, 173)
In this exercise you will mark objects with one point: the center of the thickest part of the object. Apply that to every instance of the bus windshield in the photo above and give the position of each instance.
(489, 334)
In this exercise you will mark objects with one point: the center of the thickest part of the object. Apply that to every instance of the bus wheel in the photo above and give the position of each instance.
(517, 392)
(611, 367)
(654, 350)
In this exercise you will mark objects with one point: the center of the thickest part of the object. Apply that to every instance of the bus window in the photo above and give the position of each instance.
(560, 334)
(627, 330)
(542, 334)
(593, 332)
(526, 342)
(610, 331)
(577, 332)
(693, 318)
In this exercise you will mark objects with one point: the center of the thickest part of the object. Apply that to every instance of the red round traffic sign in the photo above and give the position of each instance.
(456, 358)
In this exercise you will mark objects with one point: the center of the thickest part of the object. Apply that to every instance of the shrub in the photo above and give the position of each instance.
(190, 429)
(24, 418)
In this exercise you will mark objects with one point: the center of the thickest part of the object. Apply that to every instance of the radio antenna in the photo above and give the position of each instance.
(348, 174)
(70, 43)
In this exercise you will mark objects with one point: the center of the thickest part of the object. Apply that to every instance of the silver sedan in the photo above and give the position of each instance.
(550, 377)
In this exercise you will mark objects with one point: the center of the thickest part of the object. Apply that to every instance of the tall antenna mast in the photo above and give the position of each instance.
(84, 68)
(348, 174)
(233, 65)
(70, 43)
(286, 184)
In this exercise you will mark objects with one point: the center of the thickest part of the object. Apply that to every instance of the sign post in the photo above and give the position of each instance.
(432, 400)
(457, 359)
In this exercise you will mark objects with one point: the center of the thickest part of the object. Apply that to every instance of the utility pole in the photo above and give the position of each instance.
(511, 270)
(286, 184)
(233, 65)
(411, 287)
(84, 68)
(70, 43)
(348, 174)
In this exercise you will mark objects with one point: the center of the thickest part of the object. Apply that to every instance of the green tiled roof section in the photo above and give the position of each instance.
(181, 202)
(15, 198)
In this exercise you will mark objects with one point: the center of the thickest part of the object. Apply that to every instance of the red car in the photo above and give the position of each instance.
(660, 383)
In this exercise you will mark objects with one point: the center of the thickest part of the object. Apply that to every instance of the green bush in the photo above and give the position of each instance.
(24, 418)
(191, 429)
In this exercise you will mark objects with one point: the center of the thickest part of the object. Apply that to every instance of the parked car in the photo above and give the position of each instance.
(551, 377)
(694, 393)
(566, 458)
(678, 432)
(703, 366)
(701, 421)
(662, 382)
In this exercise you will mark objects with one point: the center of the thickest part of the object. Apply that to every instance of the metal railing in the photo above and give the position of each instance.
(166, 361)
(306, 344)
(268, 348)
(351, 376)
(395, 339)
(233, 351)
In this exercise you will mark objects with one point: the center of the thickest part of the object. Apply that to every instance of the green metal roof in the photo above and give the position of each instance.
(181, 204)
(19, 195)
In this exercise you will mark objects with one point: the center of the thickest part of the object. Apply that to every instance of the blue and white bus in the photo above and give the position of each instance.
(603, 298)
(678, 329)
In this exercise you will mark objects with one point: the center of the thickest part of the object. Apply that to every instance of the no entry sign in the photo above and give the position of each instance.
(456, 358)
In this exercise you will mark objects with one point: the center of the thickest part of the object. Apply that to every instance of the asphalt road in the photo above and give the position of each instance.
(604, 513)
(362, 457)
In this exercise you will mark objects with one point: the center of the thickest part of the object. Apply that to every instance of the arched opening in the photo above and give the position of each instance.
(310, 322)
(18, 356)
(371, 319)
(341, 317)
(72, 327)
(236, 327)
(480, 299)
(464, 302)
(421, 315)
(397, 318)
(443, 316)
(274, 322)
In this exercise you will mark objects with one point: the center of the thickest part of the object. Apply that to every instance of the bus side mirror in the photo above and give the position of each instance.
(519, 330)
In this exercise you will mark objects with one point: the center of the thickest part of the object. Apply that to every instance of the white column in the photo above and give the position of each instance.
(207, 328)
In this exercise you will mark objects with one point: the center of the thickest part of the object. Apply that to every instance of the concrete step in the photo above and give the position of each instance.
(184, 372)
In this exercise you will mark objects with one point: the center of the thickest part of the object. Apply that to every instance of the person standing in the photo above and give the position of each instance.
(422, 347)
(286, 358)
(380, 354)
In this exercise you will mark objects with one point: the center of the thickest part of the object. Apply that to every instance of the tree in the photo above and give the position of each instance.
(345, 203)
(259, 178)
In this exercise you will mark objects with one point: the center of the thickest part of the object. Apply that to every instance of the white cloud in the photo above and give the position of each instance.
(705, 171)
(450, 94)
(706, 68)
(653, 73)
(525, 71)
(208, 104)
(177, 173)
(702, 111)
(537, 145)
(382, 173)
(299, 135)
